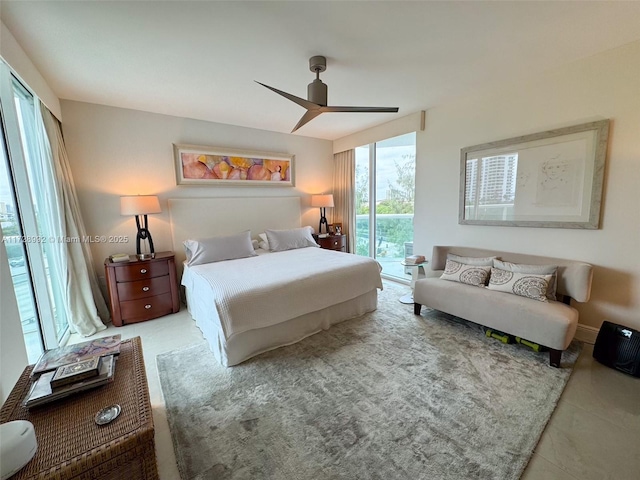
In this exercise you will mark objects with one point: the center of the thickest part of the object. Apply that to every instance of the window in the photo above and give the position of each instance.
(30, 226)
(385, 177)
(17, 255)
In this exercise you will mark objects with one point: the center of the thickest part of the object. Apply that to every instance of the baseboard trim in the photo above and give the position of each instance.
(587, 334)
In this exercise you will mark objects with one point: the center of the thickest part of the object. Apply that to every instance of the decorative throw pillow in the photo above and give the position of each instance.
(484, 261)
(264, 242)
(470, 274)
(535, 269)
(216, 249)
(527, 285)
(280, 240)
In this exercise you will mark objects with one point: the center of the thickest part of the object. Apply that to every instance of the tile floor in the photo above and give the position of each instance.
(593, 434)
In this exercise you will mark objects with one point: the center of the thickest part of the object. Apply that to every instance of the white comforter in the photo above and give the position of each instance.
(261, 291)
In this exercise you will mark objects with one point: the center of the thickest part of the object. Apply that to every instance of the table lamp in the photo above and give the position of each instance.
(322, 201)
(140, 206)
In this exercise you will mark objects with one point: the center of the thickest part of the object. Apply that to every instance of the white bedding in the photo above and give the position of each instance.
(256, 292)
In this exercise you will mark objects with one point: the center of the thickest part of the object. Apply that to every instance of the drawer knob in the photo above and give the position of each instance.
(143, 270)
(147, 306)
(145, 289)
(335, 243)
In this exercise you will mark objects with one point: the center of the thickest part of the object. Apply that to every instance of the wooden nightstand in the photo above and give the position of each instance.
(333, 242)
(140, 290)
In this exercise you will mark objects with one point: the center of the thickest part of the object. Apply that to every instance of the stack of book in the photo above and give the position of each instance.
(414, 259)
(63, 371)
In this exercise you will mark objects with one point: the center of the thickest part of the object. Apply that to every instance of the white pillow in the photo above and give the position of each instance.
(484, 261)
(522, 284)
(280, 240)
(215, 249)
(535, 269)
(263, 242)
(470, 274)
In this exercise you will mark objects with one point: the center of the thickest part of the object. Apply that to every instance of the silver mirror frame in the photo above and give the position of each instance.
(601, 130)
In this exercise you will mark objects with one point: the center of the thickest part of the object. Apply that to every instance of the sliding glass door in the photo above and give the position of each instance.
(385, 190)
(17, 255)
(29, 219)
(42, 194)
(363, 188)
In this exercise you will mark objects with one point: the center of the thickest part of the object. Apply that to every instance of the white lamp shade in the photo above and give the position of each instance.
(139, 205)
(322, 200)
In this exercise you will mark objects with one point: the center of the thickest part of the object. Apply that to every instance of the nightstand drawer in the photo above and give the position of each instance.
(333, 242)
(338, 243)
(140, 271)
(145, 308)
(144, 288)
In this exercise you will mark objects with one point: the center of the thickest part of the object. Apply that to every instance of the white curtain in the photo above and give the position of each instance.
(82, 298)
(344, 182)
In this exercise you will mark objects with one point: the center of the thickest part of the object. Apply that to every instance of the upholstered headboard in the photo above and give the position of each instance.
(210, 217)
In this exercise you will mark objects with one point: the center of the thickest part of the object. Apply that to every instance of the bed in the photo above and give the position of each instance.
(250, 305)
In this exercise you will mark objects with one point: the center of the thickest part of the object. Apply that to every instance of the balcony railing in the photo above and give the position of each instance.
(394, 240)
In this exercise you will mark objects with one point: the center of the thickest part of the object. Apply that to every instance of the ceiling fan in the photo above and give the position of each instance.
(317, 97)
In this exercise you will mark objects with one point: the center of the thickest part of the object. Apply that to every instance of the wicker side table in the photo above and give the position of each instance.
(72, 446)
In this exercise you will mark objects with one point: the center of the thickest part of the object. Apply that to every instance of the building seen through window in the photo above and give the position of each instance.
(491, 186)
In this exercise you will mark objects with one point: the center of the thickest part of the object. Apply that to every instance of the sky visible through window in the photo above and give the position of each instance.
(387, 151)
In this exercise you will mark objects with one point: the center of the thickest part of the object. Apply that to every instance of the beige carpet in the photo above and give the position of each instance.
(386, 396)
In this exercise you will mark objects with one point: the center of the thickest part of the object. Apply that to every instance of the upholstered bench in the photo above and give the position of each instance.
(549, 323)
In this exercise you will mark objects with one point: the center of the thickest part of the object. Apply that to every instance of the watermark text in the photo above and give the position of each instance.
(64, 239)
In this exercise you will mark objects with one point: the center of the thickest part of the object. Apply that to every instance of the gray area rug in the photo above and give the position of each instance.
(385, 396)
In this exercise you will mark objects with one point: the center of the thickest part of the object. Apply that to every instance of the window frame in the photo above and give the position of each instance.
(25, 207)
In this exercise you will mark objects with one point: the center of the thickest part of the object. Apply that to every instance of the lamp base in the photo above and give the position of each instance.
(143, 234)
(323, 221)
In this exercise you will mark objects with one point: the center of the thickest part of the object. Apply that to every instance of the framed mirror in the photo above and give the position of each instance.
(548, 179)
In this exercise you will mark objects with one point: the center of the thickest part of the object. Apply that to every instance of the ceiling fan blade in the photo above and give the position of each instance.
(360, 109)
(317, 97)
(306, 118)
(300, 101)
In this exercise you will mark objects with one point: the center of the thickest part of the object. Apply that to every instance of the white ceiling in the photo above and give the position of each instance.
(200, 59)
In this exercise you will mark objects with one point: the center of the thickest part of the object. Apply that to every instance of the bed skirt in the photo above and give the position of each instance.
(242, 346)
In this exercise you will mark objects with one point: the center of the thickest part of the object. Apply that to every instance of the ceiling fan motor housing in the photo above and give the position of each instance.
(317, 92)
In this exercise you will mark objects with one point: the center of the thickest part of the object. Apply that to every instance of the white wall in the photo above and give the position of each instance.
(115, 151)
(14, 353)
(15, 56)
(603, 86)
